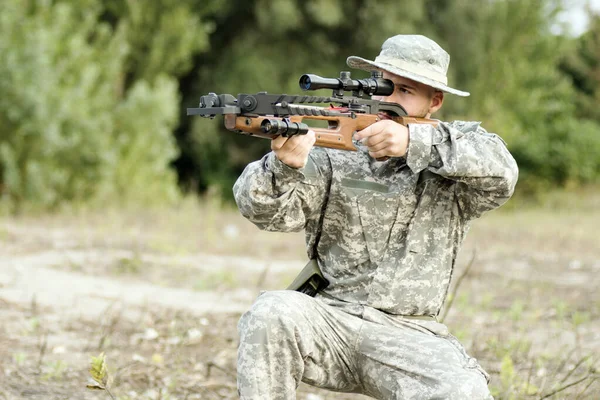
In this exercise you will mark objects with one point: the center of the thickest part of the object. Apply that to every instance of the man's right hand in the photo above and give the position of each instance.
(293, 151)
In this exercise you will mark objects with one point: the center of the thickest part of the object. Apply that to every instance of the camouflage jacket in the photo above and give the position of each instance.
(391, 230)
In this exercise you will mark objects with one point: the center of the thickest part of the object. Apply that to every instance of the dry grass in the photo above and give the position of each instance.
(528, 308)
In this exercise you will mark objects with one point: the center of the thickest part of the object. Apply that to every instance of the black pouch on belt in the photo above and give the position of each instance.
(310, 280)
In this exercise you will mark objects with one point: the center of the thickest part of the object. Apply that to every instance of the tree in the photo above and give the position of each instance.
(69, 129)
(260, 45)
(508, 58)
(582, 65)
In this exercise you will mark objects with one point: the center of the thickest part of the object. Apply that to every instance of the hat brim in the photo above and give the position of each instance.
(368, 65)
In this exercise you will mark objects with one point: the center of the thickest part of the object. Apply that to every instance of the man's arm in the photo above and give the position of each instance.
(464, 152)
(277, 197)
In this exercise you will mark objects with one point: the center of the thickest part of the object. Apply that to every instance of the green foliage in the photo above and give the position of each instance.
(162, 34)
(69, 131)
(99, 373)
(19, 358)
(98, 370)
(273, 43)
(582, 64)
(54, 370)
(507, 373)
(511, 66)
(128, 265)
(143, 143)
(94, 92)
(503, 52)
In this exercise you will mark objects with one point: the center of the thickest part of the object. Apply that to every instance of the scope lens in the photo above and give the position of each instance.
(305, 82)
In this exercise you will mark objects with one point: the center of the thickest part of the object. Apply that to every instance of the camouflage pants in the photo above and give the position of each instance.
(287, 337)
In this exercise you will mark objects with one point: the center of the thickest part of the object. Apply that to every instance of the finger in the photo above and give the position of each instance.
(290, 145)
(359, 135)
(278, 142)
(383, 145)
(295, 152)
(375, 140)
(370, 130)
(304, 145)
(379, 154)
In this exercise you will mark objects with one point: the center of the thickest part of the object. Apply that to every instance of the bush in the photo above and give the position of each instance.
(69, 129)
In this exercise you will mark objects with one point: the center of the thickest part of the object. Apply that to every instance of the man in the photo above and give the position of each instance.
(385, 235)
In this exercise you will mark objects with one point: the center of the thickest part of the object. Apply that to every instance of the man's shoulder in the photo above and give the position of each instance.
(465, 126)
(473, 127)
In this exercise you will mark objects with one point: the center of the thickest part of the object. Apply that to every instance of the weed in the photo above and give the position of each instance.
(19, 359)
(579, 318)
(128, 265)
(100, 375)
(217, 280)
(561, 308)
(54, 370)
(516, 310)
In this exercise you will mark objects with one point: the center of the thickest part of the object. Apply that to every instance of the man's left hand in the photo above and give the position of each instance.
(384, 139)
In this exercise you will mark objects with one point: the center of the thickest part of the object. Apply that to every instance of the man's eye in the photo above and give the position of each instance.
(403, 90)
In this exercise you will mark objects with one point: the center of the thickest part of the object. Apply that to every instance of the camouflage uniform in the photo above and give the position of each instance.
(390, 235)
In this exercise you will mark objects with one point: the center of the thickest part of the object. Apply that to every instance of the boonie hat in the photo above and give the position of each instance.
(415, 57)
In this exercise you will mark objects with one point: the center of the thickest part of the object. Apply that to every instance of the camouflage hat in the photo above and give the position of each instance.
(414, 57)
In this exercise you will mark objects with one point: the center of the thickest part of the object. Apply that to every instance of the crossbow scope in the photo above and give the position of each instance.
(376, 85)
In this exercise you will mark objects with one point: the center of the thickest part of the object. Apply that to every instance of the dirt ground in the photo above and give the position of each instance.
(160, 293)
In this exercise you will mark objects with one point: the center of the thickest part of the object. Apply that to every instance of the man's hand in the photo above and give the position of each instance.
(384, 139)
(293, 151)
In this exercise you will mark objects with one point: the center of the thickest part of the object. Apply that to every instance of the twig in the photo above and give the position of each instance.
(530, 373)
(33, 306)
(108, 330)
(109, 393)
(557, 370)
(564, 362)
(566, 387)
(574, 368)
(109, 323)
(458, 283)
(585, 388)
(43, 347)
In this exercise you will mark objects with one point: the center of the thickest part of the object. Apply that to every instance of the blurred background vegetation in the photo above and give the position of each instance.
(94, 92)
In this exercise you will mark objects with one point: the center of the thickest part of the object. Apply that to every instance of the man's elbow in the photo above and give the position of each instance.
(510, 177)
(270, 217)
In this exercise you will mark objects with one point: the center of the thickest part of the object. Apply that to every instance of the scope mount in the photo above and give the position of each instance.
(360, 88)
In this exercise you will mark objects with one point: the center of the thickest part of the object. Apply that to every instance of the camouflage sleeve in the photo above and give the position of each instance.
(276, 197)
(463, 151)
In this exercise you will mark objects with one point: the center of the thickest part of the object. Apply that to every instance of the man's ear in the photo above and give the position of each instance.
(436, 101)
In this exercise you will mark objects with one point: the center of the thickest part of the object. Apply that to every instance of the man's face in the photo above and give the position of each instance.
(418, 100)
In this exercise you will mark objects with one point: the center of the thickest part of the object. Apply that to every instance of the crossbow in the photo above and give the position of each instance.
(270, 115)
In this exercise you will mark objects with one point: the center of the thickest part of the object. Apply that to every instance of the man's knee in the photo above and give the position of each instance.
(273, 309)
(471, 386)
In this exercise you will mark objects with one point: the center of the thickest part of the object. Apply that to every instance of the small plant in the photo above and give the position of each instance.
(99, 373)
(217, 280)
(516, 311)
(128, 265)
(19, 359)
(56, 370)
